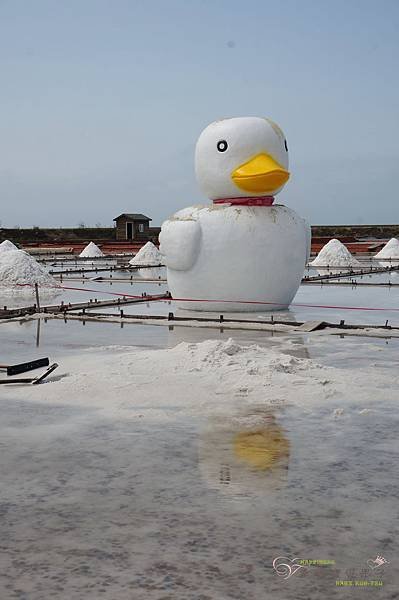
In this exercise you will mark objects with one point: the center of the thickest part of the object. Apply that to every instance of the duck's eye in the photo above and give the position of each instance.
(222, 146)
(285, 144)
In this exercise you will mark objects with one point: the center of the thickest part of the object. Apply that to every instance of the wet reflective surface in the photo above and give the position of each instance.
(312, 302)
(198, 507)
(195, 509)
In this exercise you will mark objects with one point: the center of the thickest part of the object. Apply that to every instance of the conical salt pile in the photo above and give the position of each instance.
(7, 245)
(390, 250)
(335, 254)
(20, 268)
(147, 255)
(91, 251)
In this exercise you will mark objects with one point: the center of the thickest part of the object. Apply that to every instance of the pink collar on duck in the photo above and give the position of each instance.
(247, 201)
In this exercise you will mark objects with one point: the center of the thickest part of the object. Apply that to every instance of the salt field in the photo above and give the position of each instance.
(180, 462)
(205, 458)
(199, 300)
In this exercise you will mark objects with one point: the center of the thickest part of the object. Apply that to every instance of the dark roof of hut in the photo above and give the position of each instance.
(133, 217)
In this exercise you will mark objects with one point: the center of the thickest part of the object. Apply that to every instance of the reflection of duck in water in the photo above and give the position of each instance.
(261, 448)
(177, 334)
(297, 346)
(246, 455)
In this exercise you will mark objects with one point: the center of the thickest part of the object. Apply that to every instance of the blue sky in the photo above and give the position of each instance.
(101, 103)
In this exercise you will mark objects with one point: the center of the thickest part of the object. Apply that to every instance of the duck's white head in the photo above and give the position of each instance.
(241, 157)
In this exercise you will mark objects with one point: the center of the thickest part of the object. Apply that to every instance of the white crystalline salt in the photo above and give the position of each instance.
(7, 245)
(228, 368)
(19, 268)
(335, 254)
(390, 250)
(91, 251)
(147, 255)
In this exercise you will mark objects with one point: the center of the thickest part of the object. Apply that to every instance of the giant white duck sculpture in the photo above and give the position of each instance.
(242, 252)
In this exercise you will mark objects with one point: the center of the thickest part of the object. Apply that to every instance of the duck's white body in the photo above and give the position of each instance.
(252, 257)
(234, 255)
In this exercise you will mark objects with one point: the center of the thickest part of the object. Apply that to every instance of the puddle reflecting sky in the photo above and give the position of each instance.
(24, 340)
(197, 508)
(319, 296)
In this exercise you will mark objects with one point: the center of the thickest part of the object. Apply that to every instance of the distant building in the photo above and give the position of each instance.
(133, 226)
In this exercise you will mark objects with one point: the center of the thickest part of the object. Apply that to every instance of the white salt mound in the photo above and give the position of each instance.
(335, 254)
(91, 251)
(147, 255)
(390, 250)
(18, 267)
(7, 245)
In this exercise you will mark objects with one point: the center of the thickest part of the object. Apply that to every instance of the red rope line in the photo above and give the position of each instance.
(279, 303)
(298, 304)
(65, 287)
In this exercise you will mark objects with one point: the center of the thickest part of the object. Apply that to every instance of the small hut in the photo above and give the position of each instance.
(132, 226)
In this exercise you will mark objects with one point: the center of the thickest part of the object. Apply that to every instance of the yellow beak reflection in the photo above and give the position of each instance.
(263, 448)
(262, 175)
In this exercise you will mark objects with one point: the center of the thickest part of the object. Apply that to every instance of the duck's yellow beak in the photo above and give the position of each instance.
(262, 174)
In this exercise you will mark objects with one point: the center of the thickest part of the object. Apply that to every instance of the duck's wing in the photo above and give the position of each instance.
(180, 241)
